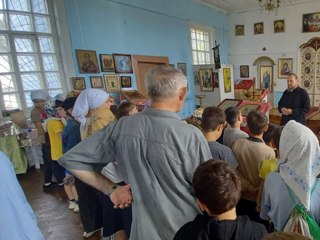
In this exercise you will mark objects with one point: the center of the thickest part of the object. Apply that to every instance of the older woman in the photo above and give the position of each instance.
(299, 166)
(92, 110)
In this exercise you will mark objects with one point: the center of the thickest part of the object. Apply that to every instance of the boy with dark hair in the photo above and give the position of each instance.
(212, 123)
(267, 135)
(126, 108)
(250, 152)
(217, 188)
(233, 132)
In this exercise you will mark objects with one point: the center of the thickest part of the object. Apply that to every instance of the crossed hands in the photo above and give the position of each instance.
(122, 197)
(286, 111)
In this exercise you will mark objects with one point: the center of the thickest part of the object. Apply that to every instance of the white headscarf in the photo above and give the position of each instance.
(88, 99)
(39, 94)
(299, 162)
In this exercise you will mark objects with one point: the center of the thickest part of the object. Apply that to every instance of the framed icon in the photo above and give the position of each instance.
(284, 67)
(87, 61)
(112, 82)
(79, 83)
(258, 28)
(244, 71)
(182, 67)
(126, 81)
(239, 30)
(206, 80)
(107, 62)
(311, 22)
(227, 79)
(96, 82)
(278, 26)
(122, 63)
(266, 77)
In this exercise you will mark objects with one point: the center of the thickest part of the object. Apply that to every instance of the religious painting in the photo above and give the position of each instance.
(266, 77)
(112, 82)
(182, 67)
(122, 63)
(134, 96)
(126, 81)
(311, 22)
(96, 82)
(87, 61)
(245, 109)
(284, 67)
(227, 80)
(239, 30)
(258, 28)
(278, 26)
(107, 63)
(79, 83)
(244, 71)
(228, 103)
(206, 80)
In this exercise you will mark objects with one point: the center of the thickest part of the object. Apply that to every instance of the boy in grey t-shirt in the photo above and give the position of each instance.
(233, 132)
(213, 123)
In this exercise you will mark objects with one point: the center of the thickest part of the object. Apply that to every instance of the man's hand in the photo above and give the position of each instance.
(122, 197)
(286, 111)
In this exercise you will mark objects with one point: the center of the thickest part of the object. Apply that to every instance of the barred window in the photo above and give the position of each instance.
(201, 43)
(28, 52)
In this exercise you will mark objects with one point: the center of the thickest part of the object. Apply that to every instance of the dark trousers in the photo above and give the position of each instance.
(46, 155)
(58, 171)
(114, 219)
(91, 212)
(246, 207)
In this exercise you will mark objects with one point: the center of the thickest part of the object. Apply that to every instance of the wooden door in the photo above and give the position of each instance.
(141, 65)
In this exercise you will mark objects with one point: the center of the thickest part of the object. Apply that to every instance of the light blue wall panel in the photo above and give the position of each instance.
(143, 27)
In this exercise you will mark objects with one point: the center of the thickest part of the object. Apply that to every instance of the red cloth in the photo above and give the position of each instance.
(244, 84)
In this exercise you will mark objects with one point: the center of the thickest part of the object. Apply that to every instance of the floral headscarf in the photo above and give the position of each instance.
(299, 162)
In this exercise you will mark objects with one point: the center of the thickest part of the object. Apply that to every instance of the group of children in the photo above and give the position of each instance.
(229, 188)
(62, 124)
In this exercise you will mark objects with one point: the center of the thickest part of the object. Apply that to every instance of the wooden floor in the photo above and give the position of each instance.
(55, 220)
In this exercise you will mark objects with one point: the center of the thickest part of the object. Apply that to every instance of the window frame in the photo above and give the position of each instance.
(55, 24)
(211, 35)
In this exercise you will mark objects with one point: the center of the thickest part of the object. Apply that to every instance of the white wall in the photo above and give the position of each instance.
(244, 50)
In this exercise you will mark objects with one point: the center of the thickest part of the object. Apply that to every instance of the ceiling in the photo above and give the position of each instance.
(232, 6)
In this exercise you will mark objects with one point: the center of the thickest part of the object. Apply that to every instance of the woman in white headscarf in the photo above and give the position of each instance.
(299, 166)
(92, 110)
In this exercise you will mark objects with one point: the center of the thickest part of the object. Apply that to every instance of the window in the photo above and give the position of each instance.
(28, 52)
(201, 43)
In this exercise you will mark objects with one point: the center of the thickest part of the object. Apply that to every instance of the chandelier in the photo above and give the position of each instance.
(270, 5)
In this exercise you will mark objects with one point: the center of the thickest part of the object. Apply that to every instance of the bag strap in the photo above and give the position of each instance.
(291, 193)
(299, 208)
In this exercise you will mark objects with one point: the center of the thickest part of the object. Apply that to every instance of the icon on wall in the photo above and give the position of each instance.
(87, 61)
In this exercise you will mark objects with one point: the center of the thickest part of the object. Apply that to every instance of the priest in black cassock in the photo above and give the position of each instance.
(294, 103)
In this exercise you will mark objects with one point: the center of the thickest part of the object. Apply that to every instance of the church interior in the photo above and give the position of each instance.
(232, 53)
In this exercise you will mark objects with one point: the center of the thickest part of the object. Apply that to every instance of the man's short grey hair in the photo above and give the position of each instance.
(164, 82)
